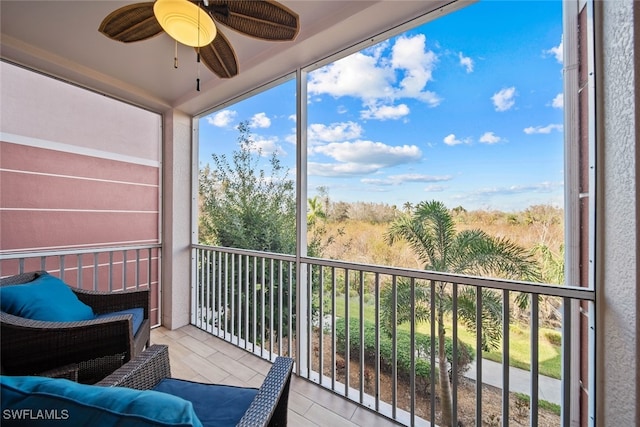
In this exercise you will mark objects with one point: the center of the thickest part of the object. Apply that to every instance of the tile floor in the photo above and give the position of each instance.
(198, 356)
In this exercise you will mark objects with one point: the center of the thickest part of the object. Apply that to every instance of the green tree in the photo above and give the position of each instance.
(430, 231)
(245, 203)
(248, 202)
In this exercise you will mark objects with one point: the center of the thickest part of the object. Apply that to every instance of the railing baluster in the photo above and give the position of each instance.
(271, 309)
(454, 363)
(362, 343)
(534, 360)
(309, 323)
(321, 323)
(565, 409)
(110, 272)
(280, 306)
(221, 309)
(394, 347)
(95, 271)
(238, 311)
(137, 281)
(432, 351)
(412, 371)
(254, 306)
(479, 356)
(290, 311)
(247, 338)
(347, 339)
(333, 328)
(124, 269)
(79, 271)
(506, 317)
(377, 358)
(263, 307)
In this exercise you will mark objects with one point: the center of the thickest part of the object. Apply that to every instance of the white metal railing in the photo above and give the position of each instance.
(252, 300)
(110, 269)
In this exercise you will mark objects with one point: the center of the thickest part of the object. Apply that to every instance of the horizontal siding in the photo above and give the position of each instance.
(21, 157)
(51, 199)
(29, 191)
(31, 230)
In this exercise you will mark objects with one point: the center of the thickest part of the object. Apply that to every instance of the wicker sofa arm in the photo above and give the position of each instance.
(143, 372)
(33, 346)
(105, 302)
(269, 407)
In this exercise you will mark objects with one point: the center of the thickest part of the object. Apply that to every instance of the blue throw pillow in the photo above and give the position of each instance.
(45, 298)
(138, 317)
(215, 405)
(39, 401)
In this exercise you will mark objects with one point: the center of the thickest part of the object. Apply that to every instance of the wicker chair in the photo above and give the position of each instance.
(97, 347)
(268, 407)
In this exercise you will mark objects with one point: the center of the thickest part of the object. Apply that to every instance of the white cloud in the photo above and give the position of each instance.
(543, 129)
(222, 118)
(452, 140)
(402, 178)
(558, 101)
(357, 75)
(381, 76)
(466, 62)
(490, 138)
(268, 146)
(411, 55)
(542, 187)
(260, 120)
(556, 51)
(385, 112)
(342, 131)
(339, 169)
(504, 99)
(369, 153)
(435, 188)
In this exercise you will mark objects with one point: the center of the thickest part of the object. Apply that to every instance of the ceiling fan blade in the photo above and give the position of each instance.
(131, 23)
(266, 19)
(219, 57)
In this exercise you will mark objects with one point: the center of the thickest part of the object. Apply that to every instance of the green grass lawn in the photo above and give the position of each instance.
(519, 340)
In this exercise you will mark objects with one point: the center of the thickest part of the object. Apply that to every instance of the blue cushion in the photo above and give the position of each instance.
(138, 317)
(215, 405)
(40, 401)
(45, 298)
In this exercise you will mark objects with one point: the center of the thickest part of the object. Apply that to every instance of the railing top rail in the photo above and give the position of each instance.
(501, 284)
(8, 255)
(249, 252)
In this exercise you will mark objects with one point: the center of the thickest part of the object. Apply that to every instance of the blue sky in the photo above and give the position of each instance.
(466, 109)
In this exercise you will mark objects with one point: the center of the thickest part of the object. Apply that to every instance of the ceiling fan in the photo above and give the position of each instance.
(262, 19)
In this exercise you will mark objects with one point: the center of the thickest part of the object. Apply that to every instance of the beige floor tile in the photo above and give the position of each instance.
(199, 356)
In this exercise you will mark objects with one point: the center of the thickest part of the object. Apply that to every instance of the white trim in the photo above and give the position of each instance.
(74, 149)
(83, 178)
(108, 245)
(76, 210)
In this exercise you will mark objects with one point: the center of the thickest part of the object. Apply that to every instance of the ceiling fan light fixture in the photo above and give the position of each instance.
(185, 22)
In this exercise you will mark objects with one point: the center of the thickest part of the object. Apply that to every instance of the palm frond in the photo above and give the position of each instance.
(491, 322)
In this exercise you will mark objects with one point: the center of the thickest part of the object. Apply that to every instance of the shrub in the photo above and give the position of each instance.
(403, 354)
(554, 337)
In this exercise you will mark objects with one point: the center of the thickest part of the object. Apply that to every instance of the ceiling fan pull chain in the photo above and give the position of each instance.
(198, 70)
(175, 56)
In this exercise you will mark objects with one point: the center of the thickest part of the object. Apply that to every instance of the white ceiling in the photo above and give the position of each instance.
(61, 38)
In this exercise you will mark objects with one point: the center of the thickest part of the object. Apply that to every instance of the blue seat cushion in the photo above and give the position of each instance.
(138, 317)
(214, 404)
(45, 298)
(39, 401)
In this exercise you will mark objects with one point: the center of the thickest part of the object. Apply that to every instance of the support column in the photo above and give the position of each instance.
(176, 227)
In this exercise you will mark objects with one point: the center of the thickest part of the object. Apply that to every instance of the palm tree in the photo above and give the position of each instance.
(315, 211)
(431, 233)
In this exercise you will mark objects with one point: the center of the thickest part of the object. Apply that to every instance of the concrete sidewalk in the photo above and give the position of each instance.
(549, 389)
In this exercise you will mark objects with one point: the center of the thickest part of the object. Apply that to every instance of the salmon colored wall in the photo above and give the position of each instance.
(78, 170)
